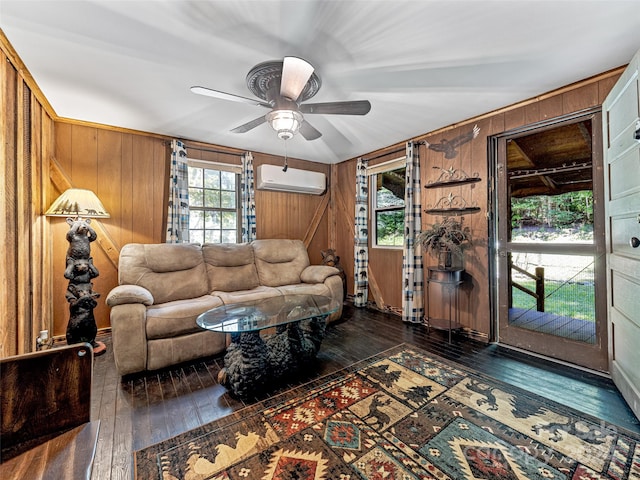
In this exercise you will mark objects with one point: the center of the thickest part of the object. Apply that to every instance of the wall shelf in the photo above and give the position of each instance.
(451, 177)
(452, 211)
(452, 182)
(451, 205)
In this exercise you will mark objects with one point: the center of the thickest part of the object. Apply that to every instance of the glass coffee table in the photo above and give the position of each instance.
(254, 361)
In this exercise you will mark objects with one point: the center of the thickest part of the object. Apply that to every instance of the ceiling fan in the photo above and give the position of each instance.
(283, 86)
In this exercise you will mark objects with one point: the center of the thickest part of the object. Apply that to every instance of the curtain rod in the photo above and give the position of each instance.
(212, 150)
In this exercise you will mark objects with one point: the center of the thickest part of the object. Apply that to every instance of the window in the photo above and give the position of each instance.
(214, 204)
(387, 203)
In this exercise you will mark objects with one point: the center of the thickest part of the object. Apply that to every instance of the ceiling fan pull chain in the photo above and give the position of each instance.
(286, 165)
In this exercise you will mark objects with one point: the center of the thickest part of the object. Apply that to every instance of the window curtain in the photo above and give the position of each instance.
(178, 208)
(412, 270)
(361, 239)
(248, 199)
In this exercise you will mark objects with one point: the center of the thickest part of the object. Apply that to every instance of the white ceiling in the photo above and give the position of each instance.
(423, 64)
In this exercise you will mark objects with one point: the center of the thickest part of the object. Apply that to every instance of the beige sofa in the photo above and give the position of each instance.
(164, 287)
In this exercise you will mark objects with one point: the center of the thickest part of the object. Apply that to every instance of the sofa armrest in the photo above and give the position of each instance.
(335, 285)
(123, 294)
(129, 337)
(317, 273)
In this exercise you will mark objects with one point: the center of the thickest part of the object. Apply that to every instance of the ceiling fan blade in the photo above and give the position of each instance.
(250, 125)
(296, 72)
(228, 96)
(308, 131)
(355, 107)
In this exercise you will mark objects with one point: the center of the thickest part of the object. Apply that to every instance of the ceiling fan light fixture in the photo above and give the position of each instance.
(285, 122)
(283, 87)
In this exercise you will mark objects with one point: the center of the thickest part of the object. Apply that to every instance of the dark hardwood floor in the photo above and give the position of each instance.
(143, 409)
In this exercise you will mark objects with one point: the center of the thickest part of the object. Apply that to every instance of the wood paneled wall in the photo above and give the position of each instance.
(281, 214)
(128, 171)
(385, 265)
(26, 146)
(294, 215)
(43, 154)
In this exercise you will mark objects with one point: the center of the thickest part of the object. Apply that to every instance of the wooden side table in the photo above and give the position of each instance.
(450, 279)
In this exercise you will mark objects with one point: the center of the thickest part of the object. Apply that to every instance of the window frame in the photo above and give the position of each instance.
(372, 173)
(220, 167)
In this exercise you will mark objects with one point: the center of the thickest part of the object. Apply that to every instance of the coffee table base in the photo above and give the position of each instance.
(254, 363)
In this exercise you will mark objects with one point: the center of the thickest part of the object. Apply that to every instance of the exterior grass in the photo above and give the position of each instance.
(575, 300)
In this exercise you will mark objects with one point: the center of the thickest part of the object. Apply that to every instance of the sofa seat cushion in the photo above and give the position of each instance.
(306, 289)
(230, 266)
(246, 295)
(173, 319)
(280, 262)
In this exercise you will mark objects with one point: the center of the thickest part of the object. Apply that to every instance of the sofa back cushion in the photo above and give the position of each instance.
(170, 271)
(230, 267)
(280, 262)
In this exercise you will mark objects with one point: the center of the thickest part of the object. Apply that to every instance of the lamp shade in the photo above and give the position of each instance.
(77, 202)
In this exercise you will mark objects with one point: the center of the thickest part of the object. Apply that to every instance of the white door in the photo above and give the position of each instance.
(621, 129)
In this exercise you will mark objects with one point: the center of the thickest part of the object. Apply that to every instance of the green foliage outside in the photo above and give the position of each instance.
(569, 211)
(568, 218)
(573, 300)
(390, 227)
(573, 209)
(389, 211)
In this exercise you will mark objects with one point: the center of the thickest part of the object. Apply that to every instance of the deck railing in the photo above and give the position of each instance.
(539, 292)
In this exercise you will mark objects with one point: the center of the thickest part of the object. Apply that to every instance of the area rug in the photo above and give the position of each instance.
(403, 414)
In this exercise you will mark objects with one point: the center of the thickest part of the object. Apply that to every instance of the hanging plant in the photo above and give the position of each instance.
(444, 240)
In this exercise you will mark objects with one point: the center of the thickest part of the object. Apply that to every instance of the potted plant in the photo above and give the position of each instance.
(446, 241)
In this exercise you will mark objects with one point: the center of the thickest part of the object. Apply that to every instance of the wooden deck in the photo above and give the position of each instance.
(558, 325)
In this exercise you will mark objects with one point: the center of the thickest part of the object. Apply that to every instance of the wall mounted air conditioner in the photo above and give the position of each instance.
(271, 177)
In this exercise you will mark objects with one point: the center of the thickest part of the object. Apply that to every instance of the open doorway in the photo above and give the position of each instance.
(550, 240)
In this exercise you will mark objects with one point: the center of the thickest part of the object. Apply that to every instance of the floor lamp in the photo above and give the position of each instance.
(80, 206)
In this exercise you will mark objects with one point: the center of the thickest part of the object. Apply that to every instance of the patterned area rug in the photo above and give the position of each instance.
(403, 414)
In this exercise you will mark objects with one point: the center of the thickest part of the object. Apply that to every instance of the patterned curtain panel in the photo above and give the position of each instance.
(412, 270)
(248, 199)
(178, 211)
(361, 240)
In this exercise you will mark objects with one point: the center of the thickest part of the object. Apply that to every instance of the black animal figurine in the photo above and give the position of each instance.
(80, 295)
(330, 258)
(79, 236)
(82, 324)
